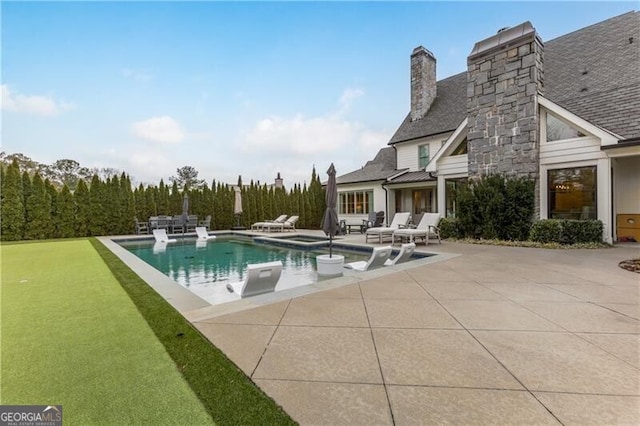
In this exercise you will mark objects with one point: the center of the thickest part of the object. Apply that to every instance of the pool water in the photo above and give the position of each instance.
(206, 267)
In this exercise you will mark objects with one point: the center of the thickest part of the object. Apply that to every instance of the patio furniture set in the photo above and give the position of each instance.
(172, 224)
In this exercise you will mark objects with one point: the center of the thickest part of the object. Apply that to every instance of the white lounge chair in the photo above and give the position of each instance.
(202, 233)
(161, 236)
(428, 227)
(290, 224)
(159, 247)
(399, 220)
(260, 225)
(406, 251)
(378, 257)
(260, 278)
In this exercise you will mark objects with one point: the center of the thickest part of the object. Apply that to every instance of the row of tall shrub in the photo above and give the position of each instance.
(32, 208)
(496, 207)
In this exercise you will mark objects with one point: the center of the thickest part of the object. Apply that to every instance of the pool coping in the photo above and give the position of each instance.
(194, 308)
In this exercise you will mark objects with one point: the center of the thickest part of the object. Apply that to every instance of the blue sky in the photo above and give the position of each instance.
(249, 88)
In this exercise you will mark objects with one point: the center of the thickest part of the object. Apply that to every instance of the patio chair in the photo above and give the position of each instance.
(141, 227)
(374, 220)
(406, 251)
(379, 256)
(290, 224)
(161, 236)
(177, 224)
(428, 227)
(202, 233)
(260, 225)
(192, 223)
(206, 223)
(400, 220)
(260, 278)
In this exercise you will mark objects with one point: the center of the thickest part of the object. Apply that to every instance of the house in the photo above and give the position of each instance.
(565, 113)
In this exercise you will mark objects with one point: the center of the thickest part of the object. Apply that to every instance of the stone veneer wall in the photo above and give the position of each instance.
(503, 126)
(423, 82)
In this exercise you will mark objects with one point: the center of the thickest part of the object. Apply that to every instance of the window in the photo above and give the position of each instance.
(355, 202)
(559, 130)
(451, 187)
(422, 200)
(423, 156)
(572, 193)
(461, 149)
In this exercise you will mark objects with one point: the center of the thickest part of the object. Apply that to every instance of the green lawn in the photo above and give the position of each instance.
(71, 335)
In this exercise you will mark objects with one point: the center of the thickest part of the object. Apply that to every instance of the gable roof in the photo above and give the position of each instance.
(608, 50)
(381, 167)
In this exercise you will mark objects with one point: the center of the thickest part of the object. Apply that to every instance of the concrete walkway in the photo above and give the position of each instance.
(499, 335)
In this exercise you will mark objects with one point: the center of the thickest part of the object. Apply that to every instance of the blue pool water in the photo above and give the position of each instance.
(206, 267)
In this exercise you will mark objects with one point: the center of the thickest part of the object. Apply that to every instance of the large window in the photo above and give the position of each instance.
(558, 130)
(451, 187)
(423, 156)
(423, 200)
(572, 193)
(355, 202)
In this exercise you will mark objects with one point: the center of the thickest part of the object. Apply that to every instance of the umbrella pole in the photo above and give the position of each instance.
(330, 244)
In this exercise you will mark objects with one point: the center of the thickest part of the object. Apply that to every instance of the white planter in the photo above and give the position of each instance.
(330, 265)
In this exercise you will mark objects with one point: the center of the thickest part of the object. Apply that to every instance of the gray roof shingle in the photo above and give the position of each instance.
(381, 167)
(446, 113)
(413, 177)
(607, 95)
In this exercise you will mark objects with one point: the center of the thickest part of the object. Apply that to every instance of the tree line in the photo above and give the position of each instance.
(33, 207)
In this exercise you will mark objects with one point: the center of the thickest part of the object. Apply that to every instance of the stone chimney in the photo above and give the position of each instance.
(505, 74)
(423, 82)
(278, 181)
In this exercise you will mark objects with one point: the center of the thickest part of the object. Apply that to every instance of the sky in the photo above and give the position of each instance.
(235, 88)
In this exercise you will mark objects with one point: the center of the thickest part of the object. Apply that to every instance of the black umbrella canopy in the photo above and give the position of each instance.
(330, 223)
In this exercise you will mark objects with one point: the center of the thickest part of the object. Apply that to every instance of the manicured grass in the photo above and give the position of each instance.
(72, 336)
(226, 392)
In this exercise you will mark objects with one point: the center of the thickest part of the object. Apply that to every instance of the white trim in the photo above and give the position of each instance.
(446, 148)
(607, 137)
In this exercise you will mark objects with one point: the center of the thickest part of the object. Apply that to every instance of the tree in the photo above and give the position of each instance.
(82, 200)
(12, 207)
(187, 178)
(38, 225)
(67, 172)
(66, 214)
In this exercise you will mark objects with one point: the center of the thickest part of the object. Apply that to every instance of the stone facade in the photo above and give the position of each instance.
(423, 82)
(505, 74)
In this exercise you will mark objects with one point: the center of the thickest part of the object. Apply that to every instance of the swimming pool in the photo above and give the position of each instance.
(206, 267)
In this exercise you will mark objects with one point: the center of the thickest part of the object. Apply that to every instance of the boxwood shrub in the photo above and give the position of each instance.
(450, 228)
(566, 231)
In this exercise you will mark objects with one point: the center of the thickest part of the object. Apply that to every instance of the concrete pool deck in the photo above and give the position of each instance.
(485, 335)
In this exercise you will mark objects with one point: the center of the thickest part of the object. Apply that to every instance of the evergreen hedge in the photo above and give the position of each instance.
(565, 231)
(34, 209)
(496, 207)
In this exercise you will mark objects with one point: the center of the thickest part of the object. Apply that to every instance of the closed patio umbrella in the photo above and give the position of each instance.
(237, 206)
(185, 211)
(330, 224)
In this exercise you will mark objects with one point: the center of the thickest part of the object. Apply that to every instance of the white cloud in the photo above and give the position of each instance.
(349, 95)
(135, 74)
(300, 135)
(159, 129)
(32, 104)
(306, 137)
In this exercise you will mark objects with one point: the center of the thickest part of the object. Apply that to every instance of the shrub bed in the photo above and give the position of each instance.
(564, 231)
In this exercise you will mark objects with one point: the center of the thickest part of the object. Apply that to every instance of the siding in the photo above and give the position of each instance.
(407, 152)
(455, 165)
(581, 149)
